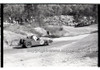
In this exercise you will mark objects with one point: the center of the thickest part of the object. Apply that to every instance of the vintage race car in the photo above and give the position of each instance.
(33, 41)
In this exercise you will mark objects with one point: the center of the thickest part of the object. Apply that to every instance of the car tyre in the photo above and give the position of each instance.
(27, 44)
(42, 42)
(46, 43)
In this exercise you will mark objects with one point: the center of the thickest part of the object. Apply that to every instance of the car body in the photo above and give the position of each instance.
(33, 41)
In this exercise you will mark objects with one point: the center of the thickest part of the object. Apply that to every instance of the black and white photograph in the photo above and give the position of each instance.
(0, 34)
(50, 35)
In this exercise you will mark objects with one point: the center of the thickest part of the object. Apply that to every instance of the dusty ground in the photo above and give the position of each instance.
(67, 51)
(79, 48)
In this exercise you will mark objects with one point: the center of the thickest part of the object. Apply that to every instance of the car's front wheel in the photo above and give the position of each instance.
(41, 42)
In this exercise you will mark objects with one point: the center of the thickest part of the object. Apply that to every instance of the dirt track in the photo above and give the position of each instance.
(52, 55)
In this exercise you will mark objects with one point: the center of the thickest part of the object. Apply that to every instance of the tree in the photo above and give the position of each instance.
(27, 12)
(13, 12)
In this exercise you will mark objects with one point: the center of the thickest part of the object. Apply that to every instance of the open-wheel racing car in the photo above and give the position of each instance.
(33, 41)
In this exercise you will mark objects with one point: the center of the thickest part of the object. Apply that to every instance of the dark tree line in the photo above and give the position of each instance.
(27, 12)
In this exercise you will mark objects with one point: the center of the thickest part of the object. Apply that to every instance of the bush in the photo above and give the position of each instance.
(55, 31)
(85, 21)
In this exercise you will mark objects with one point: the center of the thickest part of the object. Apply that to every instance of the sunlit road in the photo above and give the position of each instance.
(44, 55)
(37, 48)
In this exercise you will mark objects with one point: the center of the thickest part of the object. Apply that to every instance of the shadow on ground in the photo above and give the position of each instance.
(30, 47)
(52, 36)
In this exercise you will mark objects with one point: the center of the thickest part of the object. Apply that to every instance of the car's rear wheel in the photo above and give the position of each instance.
(27, 44)
(46, 43)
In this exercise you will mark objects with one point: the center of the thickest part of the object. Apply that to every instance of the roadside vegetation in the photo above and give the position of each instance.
(52, 14)
(49, 20)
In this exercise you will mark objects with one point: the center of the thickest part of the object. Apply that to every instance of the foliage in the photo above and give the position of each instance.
(13, 12)
(29, 12)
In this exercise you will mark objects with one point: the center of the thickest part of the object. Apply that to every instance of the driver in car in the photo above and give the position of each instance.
(35, 37)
